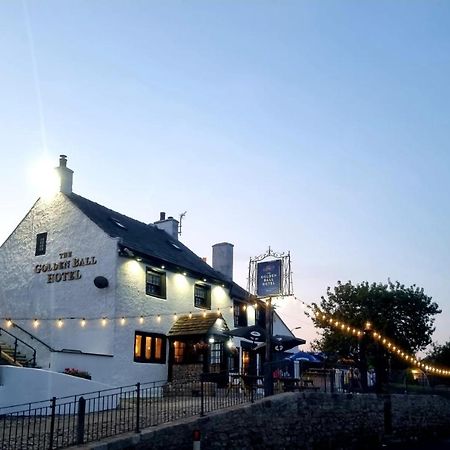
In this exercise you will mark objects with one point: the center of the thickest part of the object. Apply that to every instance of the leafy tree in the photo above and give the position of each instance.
(404, 314)
(439, 354)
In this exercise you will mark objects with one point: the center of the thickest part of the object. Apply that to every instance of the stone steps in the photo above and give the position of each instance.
(7, 353)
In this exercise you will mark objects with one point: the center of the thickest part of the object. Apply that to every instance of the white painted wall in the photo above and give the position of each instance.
(20, 385)
(26, 294)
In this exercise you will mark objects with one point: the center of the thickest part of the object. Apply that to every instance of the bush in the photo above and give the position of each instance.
(77, 373)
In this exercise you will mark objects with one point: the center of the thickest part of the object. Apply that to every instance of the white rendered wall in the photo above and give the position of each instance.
(25, 292)
(132, 300)
(20, 385)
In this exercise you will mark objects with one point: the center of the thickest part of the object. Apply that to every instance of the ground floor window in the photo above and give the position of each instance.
(149, 348)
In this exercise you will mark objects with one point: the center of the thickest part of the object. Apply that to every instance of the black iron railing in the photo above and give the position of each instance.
(15, 348)
(62, 422)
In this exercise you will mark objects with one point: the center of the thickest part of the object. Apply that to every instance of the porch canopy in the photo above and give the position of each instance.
(207, 324)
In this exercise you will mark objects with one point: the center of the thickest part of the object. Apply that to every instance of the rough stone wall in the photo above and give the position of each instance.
(310, 421)
(187, 371)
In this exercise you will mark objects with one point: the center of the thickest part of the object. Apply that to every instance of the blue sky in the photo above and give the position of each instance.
(319, 127)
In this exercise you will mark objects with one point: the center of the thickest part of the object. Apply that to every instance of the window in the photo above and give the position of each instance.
(41, 244)
(202, 296)
(216, 352)
(179, 351)
(149, 348)
(260, 316)
(155, 283)
(240, 314)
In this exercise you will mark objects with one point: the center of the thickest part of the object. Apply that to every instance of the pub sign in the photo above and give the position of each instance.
(269, 278)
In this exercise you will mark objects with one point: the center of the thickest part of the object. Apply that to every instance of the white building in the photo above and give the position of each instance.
(91, 289)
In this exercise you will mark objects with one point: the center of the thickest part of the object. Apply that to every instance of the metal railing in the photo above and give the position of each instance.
(75, 420)
(15, 346)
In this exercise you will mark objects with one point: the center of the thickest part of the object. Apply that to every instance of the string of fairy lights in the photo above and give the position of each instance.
(105, 320)
(385, 341)
(326, 319)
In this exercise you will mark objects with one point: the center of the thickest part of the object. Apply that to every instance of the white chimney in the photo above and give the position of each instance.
(222, 259)
(169, 225)
(65, 175)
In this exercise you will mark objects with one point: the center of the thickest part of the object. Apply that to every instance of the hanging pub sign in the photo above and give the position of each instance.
(270, 275)
(269, 278)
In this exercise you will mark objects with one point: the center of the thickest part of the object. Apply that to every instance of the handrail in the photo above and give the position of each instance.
(51, 349)
(32, 336)
(16, 339)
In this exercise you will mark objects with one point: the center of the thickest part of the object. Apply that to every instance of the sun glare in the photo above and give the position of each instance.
(44, 179)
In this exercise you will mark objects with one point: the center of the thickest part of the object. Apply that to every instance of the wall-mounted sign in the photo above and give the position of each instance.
(61, 270)
(269, 278)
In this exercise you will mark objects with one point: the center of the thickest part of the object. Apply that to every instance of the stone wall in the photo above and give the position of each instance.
(310, 421)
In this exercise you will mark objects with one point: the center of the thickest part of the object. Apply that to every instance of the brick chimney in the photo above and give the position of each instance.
(65, 175)
(222, 259)
(169, 225)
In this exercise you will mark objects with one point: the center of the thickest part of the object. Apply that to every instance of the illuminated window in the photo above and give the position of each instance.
(149, 348)
(155, 283)
(137, 346)
(245, 361)
(202, 296)
(179, 351)
(41, 244)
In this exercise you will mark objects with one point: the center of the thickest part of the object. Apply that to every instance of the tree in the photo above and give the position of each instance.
(439, 354)
(403, 314)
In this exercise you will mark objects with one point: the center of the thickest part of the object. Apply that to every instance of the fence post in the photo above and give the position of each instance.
(138, 406)
(80, 420)
(202, 398)
(52, 421)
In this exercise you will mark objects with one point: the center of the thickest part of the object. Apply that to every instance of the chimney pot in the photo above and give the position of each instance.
(162, 215)
(65, 175)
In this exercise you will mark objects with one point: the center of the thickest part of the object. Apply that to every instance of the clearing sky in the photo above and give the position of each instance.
(315, 127)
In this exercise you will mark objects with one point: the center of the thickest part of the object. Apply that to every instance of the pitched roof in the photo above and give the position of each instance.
(197, 324)
(148, 240)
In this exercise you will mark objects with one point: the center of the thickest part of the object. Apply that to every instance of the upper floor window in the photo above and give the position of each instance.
(202, 296)
(41, 244)
(155, 283)
(149, 348)
(240, 314)
(260, 316)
